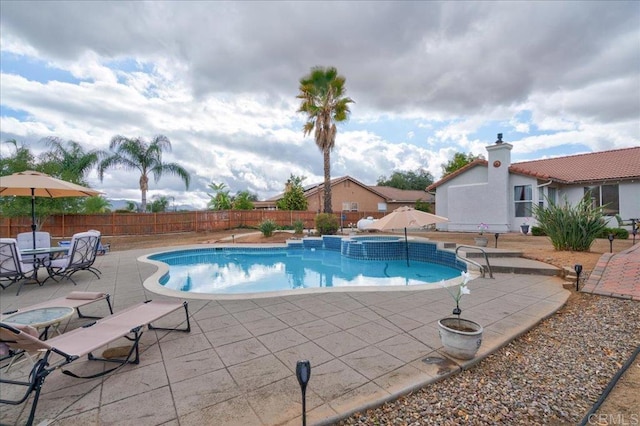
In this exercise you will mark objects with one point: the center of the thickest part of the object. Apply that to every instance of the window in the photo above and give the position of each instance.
(349, 206)
(382, 207)
(550, 198)
(606, 196)
(552, 195)
(522, 197)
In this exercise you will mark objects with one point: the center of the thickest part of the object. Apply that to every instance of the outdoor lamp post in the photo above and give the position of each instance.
(578, 269)
(611, 237)
(303, 373)
(496, 235)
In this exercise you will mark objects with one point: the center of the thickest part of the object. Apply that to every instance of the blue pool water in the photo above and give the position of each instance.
(254, 270)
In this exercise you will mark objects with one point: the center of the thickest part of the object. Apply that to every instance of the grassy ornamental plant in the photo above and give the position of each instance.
(571, 227)
(298, 226)
(267, 227)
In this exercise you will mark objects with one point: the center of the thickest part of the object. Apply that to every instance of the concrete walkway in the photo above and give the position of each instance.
(616, 275)
(237, 366)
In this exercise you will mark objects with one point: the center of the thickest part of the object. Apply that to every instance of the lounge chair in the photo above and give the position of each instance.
(60, 351)
(75, 300)
(12, 267)
(82, 255)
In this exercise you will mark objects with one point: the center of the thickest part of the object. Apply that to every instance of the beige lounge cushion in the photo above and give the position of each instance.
(85, 295)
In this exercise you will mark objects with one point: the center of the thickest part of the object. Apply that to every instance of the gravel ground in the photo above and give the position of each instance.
(550, 375)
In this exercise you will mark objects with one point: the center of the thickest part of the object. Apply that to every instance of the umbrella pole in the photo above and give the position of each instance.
(33, 216)
(406, 245)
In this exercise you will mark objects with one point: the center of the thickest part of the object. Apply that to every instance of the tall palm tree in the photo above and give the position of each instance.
(323, 100)
(146, 157)
(68, 161)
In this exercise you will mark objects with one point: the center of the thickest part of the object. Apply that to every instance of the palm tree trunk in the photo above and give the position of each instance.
(327, 181)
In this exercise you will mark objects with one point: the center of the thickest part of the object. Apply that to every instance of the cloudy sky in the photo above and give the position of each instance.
(220, 79)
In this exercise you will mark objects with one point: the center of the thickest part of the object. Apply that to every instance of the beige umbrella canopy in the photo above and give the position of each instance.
(406, 218)
(35, 184)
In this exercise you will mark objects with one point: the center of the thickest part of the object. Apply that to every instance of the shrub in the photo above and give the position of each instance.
(537, 231)
(327, 224)
(618, 233)
(298, 226)
(571, 227)
(267, 227)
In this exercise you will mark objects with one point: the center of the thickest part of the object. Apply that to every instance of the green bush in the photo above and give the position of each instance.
(571, 227)
(618, 233)
(267, 227)
(537, 231)
(327, 224)
(298, 226)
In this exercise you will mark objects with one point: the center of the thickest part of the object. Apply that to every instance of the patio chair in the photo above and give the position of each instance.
(82, 255)
(102, 248)
(60, 351)
(12, 267)
(43, 240)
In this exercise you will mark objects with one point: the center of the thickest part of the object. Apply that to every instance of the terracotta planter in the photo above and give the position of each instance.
(481, 241)
(460, 338)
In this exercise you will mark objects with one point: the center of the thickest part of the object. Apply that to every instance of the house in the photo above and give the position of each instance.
(501, 194)
(348, 194)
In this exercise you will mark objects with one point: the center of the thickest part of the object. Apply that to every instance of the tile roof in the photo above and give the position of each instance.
(596, 166)
(617, 164)
(402, 195)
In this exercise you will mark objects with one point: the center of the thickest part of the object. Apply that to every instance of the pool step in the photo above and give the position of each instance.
(510, 262)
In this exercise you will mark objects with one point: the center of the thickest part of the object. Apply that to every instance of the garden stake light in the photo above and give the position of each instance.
(303, 373)
(610, 243)
(578, 269)
(496, 235)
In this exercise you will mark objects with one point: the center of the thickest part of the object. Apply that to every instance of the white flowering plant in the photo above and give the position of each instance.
(482, 227)
(460, 290)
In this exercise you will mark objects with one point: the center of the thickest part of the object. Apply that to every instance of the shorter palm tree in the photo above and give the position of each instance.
(146, 157)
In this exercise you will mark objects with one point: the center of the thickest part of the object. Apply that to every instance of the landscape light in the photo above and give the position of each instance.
(578, 269)
(496, 235)
(611, 237)
(303, 373)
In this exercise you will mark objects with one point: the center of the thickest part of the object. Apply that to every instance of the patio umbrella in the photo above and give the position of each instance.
(35, 184)
(406, 218)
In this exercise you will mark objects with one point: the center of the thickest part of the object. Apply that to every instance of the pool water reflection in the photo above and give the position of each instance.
(219, 271)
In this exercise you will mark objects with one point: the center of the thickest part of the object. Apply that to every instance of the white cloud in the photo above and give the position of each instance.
(220, 80)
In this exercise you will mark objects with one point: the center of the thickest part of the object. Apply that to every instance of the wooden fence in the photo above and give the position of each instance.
(114, 224)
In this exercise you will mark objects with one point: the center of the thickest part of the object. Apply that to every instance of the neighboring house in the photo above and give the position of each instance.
(500, 194)
(348, 194)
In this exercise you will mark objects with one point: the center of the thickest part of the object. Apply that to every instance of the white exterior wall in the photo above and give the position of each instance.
(486, 195)
(452, 206)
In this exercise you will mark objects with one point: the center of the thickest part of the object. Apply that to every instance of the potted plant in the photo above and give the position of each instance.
(525, 226)
(482, 241)
(460, 338)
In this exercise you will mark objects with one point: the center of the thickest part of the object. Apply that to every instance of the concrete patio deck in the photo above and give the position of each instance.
(237, 366)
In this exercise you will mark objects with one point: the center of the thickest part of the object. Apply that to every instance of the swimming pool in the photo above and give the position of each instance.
(260, 270)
